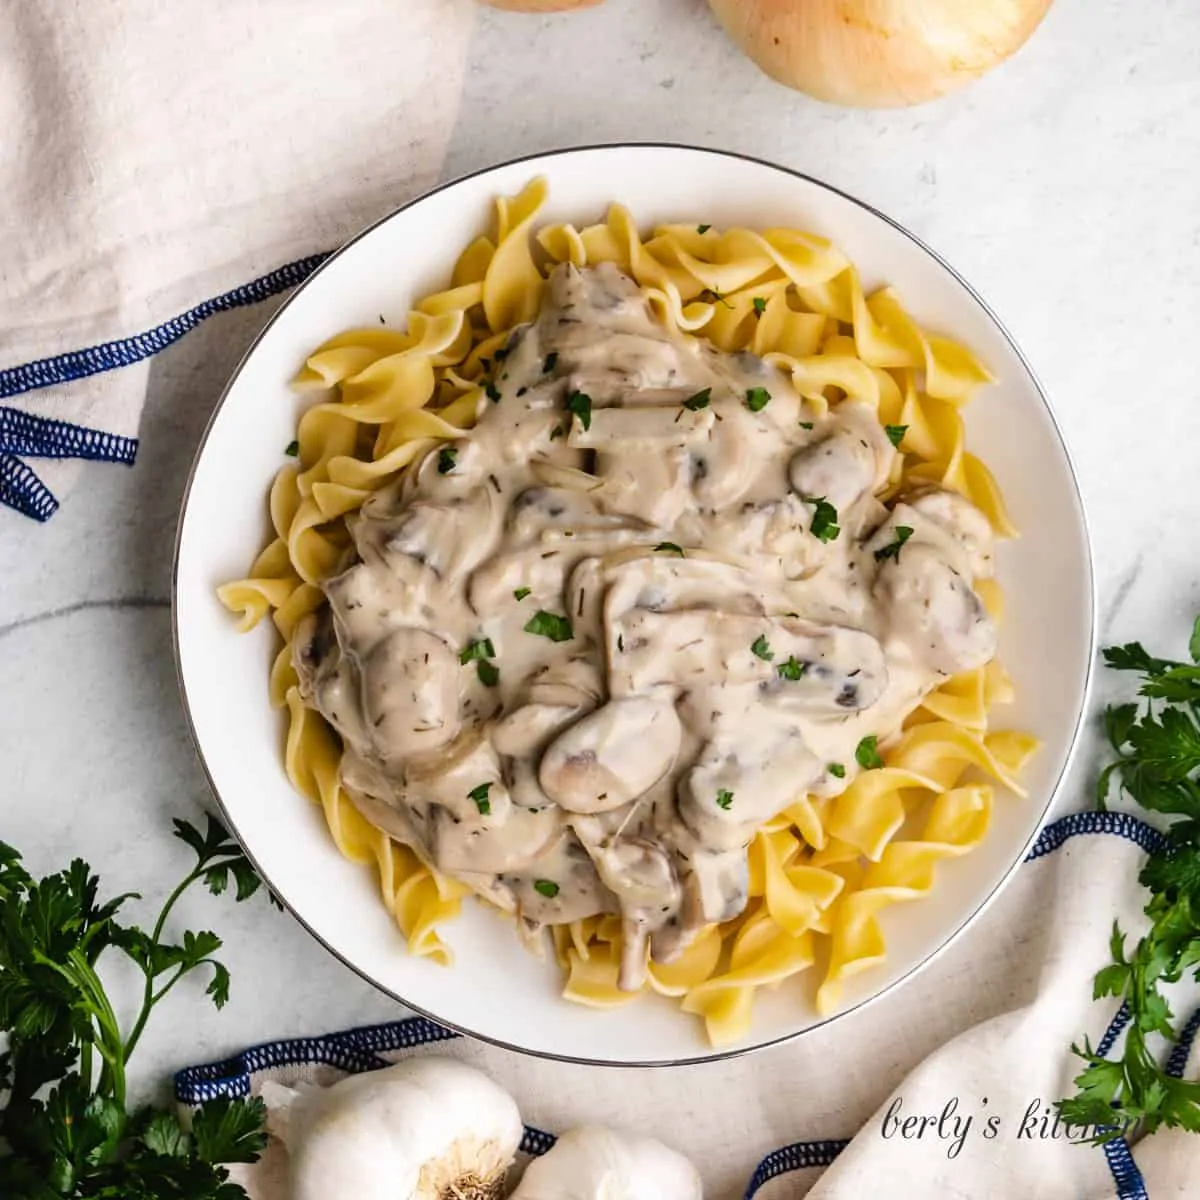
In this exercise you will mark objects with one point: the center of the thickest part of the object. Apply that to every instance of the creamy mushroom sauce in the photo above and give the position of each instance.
(716, 658)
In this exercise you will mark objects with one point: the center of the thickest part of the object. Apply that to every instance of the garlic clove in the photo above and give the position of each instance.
(878, 53)
(424, 1129)
(594, 1163)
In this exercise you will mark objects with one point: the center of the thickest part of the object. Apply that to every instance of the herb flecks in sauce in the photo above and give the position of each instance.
(725, 799)
(761, 648)
(757, 398)
(895, 434)
(824, 519)
(698, 401)
(446, 460)
(546, 887)
(792, 670)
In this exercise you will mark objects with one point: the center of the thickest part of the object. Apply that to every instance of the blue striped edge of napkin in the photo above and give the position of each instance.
(357, 1050)
(24, 434)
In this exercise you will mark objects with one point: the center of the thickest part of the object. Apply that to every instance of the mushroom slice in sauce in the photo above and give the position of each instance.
(935, 611)
(611, 756)
(410, 694)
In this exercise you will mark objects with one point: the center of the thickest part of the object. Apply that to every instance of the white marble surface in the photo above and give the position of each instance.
(1066, 187)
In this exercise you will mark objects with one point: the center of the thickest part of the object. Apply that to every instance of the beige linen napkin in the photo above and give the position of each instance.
(158, 159)
(978, 1044)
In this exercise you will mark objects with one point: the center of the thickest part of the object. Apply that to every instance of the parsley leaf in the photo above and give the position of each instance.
(836, 770)
(892, 549)
(703, 228)
(761, 648)
(293, 449)
(895, 434)
(824, 524)
(866, 754)
(724, 799)
(760, 306)
(698, 401)
(580, 403)
(480, 796)
(550, 362)
(488, 673)
(65, 1131)
(791, 670)
(491, 391)
(1157, 763)
(806, 424)
(546, 887)
(476, 649)
(550, 625)
(521, 593)
(669, 548)
(447, 459)
(757, 398)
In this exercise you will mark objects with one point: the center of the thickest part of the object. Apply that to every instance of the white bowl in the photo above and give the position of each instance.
(497, 991)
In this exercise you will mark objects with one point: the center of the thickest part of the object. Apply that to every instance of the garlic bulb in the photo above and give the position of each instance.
(542, 6)
(591, 1163)
(878, 53)
(425, 1129)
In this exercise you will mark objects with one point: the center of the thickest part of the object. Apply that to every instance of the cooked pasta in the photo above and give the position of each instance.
(821, 869)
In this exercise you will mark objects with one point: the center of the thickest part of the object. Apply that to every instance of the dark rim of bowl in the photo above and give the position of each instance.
(1052, 794)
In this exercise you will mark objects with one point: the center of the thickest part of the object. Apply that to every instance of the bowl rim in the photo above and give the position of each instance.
(1052, 793)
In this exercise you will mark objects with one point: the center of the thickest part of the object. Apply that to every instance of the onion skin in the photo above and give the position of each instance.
(542, 6)
(878, 53)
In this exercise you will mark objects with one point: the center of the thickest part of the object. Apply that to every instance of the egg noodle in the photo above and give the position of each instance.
(821, 871)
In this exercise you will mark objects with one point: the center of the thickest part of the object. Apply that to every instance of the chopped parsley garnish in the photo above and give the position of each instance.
(757, 398)
(447, 460)
(895, 433)
(476, 649)
(836, 770)
(825, 519)
(724, 799)
(806, 424)
(480, 796)
(492, 392)
(521, 593)
(703, 228)
(892, 549)
(546, 887)
(293, 449)
(501, 354)
(488, 672)
(761, 648)
(557, 432)
(669, 548)
(551, 361)
(550, 625)
(580, 403)
(760, 306)
(791, 670)
(867, 754)
(698, 401)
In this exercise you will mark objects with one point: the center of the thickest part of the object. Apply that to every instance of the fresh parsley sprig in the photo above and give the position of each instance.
(65, 1131)
(1157, 744)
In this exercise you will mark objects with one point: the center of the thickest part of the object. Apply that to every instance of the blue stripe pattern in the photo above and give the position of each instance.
(124, 352)
(358, 1050)
(39, 437)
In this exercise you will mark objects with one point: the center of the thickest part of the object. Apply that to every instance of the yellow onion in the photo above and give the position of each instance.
(878, 53)
(542, 6)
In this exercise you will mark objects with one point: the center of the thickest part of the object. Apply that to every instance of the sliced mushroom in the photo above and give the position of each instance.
(611, 756)
(410, 694)
(935, 611)
(503, 841)
(838, 469)
(743, 777)
(954, 515)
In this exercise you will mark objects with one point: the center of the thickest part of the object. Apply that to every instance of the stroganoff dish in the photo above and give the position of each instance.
(610, 644)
